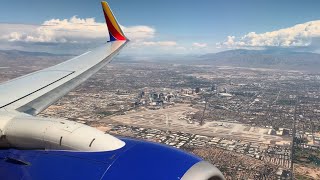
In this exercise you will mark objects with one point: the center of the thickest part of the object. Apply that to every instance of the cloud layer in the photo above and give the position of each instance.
(71, 30)
(159, 43)
(61, 36)
(199, 45)
(300, 35)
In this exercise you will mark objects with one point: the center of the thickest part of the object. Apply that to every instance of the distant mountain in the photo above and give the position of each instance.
(275, 58)
(15, 53)
(15, 58)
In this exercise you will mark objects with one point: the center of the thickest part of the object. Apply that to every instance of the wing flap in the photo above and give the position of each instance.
(22, 87)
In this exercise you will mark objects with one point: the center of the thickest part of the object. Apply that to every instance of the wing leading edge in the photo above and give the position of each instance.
(34, 92)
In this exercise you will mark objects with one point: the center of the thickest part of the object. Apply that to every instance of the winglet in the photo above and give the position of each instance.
(115, 32)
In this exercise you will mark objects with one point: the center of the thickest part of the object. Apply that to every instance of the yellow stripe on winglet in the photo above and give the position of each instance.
(111, 17)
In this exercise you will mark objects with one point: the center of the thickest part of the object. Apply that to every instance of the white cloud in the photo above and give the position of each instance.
(159, 43)
(199, 45)
(138, 33)
(71, 30)
(61, 35)
(298, 35)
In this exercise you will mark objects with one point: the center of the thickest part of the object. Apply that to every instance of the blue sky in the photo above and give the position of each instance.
(200, 26)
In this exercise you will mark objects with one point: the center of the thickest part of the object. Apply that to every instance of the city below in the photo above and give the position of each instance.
(252, 123)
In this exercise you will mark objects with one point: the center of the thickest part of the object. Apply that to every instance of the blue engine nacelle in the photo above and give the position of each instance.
(145, 160)
(136, 160)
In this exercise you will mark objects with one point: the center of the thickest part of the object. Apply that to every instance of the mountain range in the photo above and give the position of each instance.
(272, 58)
(14, 58)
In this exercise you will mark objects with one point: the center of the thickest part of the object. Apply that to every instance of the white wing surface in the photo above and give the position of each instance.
(34, 92)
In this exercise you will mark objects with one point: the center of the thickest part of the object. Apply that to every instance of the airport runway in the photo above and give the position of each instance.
(168, 119)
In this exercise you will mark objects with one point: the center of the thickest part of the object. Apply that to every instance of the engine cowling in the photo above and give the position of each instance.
(28, 132)
(118, 158)
(147, 160)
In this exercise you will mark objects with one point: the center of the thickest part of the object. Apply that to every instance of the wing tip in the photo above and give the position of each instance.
(115, 31)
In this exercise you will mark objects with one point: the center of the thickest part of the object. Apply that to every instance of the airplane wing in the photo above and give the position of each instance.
(34, 92)
(48, 148)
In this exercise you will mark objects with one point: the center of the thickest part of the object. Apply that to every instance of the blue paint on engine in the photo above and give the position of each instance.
(136, 160)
